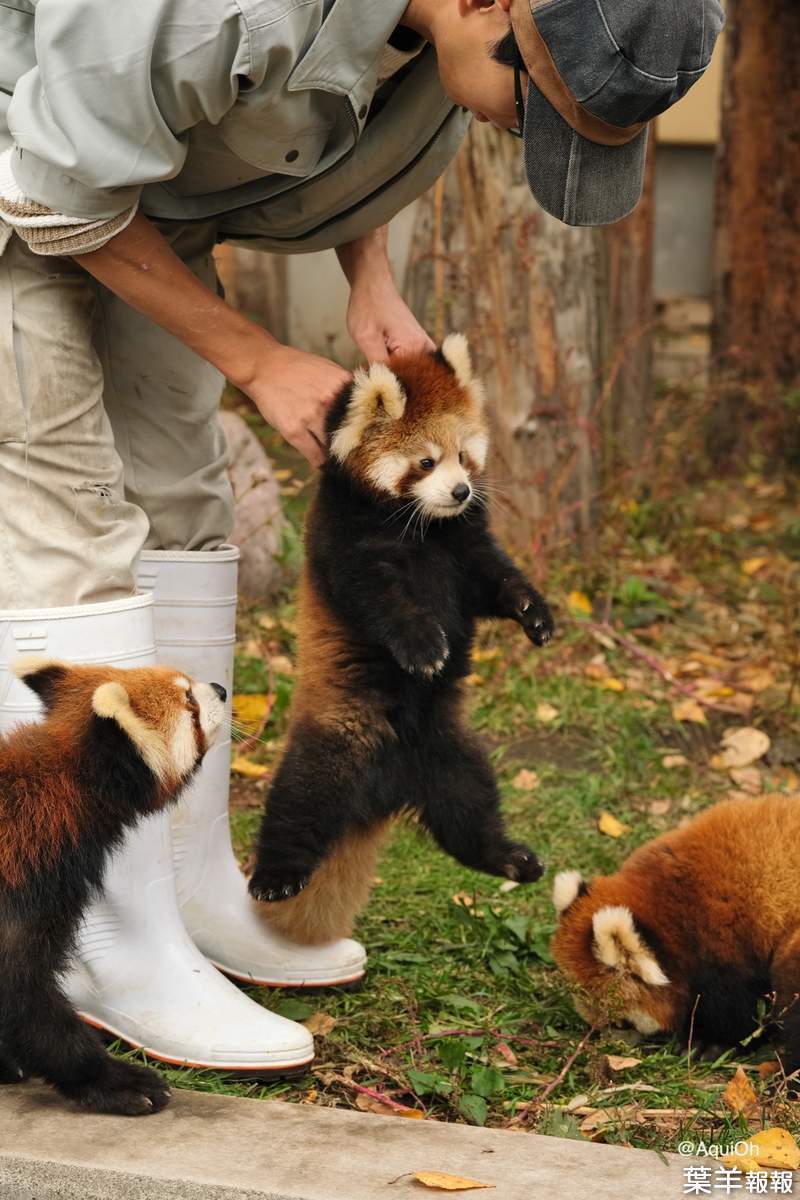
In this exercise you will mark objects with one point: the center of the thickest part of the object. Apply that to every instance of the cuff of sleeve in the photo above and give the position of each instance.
(48, 185)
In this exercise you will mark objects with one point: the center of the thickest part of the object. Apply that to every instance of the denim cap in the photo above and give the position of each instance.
(598, 72)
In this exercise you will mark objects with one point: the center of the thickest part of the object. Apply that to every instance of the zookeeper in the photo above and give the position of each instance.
(135, 137)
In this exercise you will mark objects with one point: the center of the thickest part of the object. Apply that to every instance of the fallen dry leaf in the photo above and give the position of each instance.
(370, 1105)
(463, 899)
(546, 712)
(579, 604)
(659, 807)
(772, 1149)
(608, 824)
(768, 1068)
(320, 1024)
(743, 745)
(479, 655)
(449, 1183)
(251, 708)
(751, 566)
(508, 885)
(282, 664)
(689, 710)
(473, 679)
(747, 778)
(525, 780)
(674, 760)
(612, 685)
(618, 1062)
(739, 1095)
(755, 679)
(243, 766)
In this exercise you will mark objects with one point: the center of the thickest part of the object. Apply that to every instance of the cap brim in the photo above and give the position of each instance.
(578, 181)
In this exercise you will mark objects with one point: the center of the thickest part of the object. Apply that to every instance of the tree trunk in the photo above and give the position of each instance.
(756, 336)
(533, 296)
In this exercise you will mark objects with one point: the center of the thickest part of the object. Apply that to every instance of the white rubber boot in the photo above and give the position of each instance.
(195, 619)
(138, 975)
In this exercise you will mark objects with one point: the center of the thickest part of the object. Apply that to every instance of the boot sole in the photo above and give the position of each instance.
(349, 983)
(268, 1072)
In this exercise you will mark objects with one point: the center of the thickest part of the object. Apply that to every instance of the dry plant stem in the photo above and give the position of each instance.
(539, 1100)
(639, 652)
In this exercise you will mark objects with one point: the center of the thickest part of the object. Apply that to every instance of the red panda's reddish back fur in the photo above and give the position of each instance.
(714, 907)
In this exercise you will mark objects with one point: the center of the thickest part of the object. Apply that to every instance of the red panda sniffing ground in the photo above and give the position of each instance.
(693, 929)
(114, 745)
(400, 564)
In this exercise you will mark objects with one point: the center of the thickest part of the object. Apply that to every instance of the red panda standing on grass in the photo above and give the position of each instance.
(695, 927)
(400, 564)
(114, 746)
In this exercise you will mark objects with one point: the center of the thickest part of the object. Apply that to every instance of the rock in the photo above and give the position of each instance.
(258, 528)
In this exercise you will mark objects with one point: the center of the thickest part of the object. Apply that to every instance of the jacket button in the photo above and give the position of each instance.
(362, 112)
(292, 155)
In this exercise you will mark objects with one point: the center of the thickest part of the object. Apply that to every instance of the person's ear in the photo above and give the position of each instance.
(504, 4)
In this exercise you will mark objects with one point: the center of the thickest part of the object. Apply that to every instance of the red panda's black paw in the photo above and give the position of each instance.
(10, 1072)
(522, 865)
(535, 617)
(422, 650)
(122, 1088)
(270, 886)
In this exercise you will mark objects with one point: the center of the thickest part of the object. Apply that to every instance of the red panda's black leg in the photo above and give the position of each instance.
(315, 797)
(461, 808)
(45, 1037)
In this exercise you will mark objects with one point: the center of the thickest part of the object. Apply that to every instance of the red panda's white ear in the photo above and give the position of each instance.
(111, 701)
(456, 352)
(372, 389)
(567, 886)
(617, 944)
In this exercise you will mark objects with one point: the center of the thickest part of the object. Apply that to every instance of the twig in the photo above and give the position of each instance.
(639, 652)
(537, 1101)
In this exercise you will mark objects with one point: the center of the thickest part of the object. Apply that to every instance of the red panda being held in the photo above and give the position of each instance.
(695, 927)
(114, 746)
(400, 564)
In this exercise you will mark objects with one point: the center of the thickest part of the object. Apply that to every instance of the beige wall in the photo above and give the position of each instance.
(694, 120)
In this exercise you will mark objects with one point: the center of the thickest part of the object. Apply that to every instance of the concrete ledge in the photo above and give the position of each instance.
(217, 1148)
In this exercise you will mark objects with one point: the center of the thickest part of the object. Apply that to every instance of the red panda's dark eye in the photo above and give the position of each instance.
(427, 464)
(461, 457)
(190, 698)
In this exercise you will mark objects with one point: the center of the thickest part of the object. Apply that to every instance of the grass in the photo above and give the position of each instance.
(463, 1016)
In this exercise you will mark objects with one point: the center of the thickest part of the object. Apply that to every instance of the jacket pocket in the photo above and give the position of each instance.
(13, 425)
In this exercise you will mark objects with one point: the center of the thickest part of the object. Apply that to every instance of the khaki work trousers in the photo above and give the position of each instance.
(110, 440)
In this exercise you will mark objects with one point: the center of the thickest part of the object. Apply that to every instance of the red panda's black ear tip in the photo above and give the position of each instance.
(40, 674)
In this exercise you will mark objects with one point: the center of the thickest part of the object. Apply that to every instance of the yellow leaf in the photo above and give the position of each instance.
(463, 899)
(751, 566)
(282, 475)
(689, 710)
(772, 1149)
(579, 603)
(370, 1105)
(479, 655)
(610, 826)
(525, 780)
(473, 680)
(320, 1024)
(243, 766)
(612, 685)
(250, 709)
(739, 1095)
(546, 712)
(743, 745)
(449, 1183)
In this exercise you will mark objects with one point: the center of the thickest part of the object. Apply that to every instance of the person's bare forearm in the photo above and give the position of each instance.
(140, 267)
(378, 319)
(291, 389)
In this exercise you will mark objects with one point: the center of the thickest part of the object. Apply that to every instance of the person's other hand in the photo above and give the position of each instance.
(380, 322)
(293, 391)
